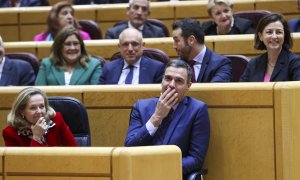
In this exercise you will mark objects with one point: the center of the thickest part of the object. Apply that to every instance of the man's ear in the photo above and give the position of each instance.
(191, 40)
(127, 12)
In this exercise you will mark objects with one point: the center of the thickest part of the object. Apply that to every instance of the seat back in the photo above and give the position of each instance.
(155, 22)
(239, 64)
(31, 58)
(152, 53)
(75, 115)
(252, 15)
(91, 27)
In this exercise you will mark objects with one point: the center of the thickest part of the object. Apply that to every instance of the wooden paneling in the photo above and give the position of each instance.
(159, 163)
(241, 144)
(287, 134)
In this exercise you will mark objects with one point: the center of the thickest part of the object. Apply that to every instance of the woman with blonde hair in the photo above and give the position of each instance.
(32, 122)
(223, 22)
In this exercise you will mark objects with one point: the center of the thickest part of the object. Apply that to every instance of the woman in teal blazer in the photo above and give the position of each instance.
(69, 62)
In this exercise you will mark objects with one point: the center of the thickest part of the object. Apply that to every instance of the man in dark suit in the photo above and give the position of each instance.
(138, 12)
(133, 67)
(173, 118)
(207, 66)
(14, 72)
(294, 24)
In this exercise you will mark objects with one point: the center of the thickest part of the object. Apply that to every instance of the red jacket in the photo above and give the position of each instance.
(59, 135)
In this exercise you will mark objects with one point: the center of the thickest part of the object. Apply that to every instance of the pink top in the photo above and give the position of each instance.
(267, 78)
(42, 37)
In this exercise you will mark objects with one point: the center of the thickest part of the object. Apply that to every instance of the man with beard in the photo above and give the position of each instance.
(133, 67)
(14, 72)
(138, 12)
(206, 65)
(173, 119)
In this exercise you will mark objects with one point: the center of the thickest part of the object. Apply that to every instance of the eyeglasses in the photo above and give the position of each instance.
(69, 44)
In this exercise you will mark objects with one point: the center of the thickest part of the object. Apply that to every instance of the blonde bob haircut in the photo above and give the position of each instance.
(15, 119)
(212, 3)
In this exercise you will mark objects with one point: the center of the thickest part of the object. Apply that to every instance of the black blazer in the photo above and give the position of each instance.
(149, 31)
(240, 26)
(287, 68)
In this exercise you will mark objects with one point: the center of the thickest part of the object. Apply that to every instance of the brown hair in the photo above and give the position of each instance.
(52, 22)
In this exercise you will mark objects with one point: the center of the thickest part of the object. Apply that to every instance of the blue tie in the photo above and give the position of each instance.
(129, 77)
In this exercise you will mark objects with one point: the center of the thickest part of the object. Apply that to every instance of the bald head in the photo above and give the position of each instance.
(131, 45)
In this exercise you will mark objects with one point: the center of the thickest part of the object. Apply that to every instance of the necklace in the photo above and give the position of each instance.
(271, 65)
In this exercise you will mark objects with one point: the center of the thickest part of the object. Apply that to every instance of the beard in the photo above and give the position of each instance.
(185, 53)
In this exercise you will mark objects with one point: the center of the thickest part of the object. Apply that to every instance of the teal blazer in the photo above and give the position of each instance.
(50, 75)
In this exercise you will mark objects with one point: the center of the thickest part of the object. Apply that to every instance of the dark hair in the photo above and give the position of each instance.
(190, 27)
(266, 20)
(177, 63)
(53, 26)
(57, 47)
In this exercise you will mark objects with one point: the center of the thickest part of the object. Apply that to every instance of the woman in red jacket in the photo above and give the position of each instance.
(32, 122)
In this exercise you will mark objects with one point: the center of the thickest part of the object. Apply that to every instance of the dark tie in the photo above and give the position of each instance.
(159, 136)
(129, 76)
(192, 63)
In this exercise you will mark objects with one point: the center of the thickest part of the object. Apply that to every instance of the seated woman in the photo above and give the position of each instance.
(278, 63)
(32, 122)
(223, 21)
(60, 15)
(69, 62)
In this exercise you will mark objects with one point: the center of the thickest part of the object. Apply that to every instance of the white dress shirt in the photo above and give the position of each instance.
(126, 70)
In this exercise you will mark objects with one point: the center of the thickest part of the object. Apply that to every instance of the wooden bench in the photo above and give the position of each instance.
(254, 126)
(21, 24)
(103, 163)
(225, 44)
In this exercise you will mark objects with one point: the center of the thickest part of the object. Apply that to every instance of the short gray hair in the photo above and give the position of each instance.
(212, 3)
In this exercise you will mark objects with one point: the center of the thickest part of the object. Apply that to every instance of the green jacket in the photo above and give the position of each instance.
(50, 75)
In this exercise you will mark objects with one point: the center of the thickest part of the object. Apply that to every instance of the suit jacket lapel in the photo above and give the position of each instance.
(7, 72)
(116, 73)
(176, 120)
(59, 75)
(282, 59)
(143, 71)
(77, 74)
(204, 64)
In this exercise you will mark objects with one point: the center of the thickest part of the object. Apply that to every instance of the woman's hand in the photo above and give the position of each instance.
(39, 129)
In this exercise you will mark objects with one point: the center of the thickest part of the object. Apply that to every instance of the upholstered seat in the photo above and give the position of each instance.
(31, 58)
(239, 64)
(75, 115)
(91, 27)
(252, 15)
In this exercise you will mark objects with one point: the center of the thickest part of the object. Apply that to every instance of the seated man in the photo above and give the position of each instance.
(207, 66)
(138, 12)
(294, 24)
(14, 72)
(173, 118)
(133, 67)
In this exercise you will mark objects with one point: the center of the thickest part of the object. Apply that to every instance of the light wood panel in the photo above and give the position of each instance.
(154, 162)
(287, 115)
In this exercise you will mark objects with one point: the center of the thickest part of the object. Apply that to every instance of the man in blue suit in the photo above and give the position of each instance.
(14, 72)
(207, 66)
(138, 12)
(133, 67)
(173, 118)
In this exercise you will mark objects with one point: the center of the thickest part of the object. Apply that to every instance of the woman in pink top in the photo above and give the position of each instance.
(60, 16)
(278, 63)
